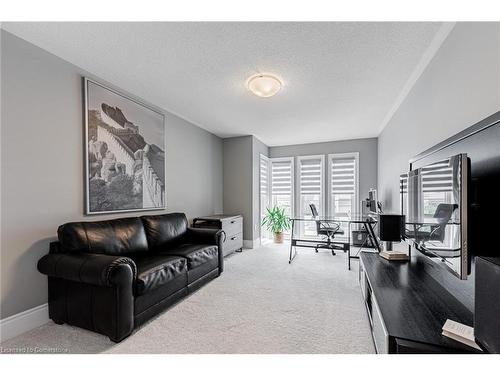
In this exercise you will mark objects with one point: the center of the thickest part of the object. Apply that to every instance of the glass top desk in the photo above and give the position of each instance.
(367, 221)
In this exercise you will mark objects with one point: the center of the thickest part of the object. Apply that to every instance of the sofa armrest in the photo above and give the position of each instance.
(208, 236)
(95, 269)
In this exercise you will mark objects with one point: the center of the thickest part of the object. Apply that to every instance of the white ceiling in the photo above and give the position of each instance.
(341, 80)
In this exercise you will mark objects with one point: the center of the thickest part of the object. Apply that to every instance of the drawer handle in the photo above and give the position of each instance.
(233, 221)
(233, 238)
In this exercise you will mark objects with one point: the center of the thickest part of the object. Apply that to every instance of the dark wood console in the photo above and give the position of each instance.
(407, 307)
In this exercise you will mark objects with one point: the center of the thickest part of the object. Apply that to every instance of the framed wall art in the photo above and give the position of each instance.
(125, 152)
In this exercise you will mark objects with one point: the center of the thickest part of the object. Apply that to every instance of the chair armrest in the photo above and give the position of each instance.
(208, 236)
(330, 225)
(95, 269)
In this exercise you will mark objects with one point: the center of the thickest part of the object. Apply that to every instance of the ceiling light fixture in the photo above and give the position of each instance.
(264, 85)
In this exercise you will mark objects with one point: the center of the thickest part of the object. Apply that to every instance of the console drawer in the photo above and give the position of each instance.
(232, 226)
(232, 243)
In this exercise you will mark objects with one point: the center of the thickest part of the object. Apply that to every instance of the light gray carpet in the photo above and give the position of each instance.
(260, 304)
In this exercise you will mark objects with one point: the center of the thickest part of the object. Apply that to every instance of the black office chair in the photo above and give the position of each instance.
(328, 229)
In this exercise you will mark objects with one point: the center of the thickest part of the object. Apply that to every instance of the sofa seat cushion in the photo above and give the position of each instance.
(154, 271)
(196, 254)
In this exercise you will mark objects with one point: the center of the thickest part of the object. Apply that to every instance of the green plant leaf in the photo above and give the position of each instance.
(276, 220)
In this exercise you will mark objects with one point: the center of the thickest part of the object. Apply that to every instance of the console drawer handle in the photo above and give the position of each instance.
(233, 238)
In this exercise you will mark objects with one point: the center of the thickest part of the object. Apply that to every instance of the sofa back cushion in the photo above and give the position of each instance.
(164, 230)
(111, 237)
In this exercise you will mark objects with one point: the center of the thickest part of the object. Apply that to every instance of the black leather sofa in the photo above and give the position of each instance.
(111, 276)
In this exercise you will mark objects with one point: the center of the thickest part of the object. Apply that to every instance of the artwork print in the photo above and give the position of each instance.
(125, 152)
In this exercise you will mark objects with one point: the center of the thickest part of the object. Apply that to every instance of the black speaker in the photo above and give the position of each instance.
(487, 303)
(391, 227)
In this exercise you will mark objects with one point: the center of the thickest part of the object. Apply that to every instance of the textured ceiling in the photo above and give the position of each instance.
(340, 79)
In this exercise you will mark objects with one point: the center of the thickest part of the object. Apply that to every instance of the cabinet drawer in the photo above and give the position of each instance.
(232, 243)
(232, 226)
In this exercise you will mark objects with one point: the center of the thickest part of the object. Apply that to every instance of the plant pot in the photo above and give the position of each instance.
(278, 237)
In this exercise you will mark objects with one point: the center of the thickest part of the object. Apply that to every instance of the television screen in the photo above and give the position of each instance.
(435, 203)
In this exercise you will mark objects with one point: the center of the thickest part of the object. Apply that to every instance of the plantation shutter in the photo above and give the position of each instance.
(310, 176)
(343, 175)
(281, 177)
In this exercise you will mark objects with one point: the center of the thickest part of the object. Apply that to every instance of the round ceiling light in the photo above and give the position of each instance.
(264, 85)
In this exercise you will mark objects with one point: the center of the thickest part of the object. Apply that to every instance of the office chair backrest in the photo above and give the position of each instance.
(314, 210)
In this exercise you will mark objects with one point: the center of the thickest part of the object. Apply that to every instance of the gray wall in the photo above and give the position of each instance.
(241, 181)
(459, 87)
(42, 165)
(238, 180)
(366, 147)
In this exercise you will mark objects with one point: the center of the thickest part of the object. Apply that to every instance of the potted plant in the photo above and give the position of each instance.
(276, 221)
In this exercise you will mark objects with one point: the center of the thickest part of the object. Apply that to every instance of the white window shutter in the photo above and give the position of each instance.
(343, 184)
(264, 176)
(281, 177)
(311, 180)
(343, 175)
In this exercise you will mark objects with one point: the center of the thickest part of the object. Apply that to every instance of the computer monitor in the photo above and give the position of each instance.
(372, 201)
(373, 206)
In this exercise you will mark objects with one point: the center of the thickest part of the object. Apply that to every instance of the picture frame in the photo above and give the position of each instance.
(125, 148)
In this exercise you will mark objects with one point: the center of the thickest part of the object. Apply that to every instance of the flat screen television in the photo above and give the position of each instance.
(435, 202)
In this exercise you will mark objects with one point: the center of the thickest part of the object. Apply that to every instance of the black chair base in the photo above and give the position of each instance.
(329, 246)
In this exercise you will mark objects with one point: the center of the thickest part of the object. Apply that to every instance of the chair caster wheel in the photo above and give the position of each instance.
(333, 253)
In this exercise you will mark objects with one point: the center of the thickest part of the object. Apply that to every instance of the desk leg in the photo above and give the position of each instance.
(291, 244)
(371, 231)
(349, 248)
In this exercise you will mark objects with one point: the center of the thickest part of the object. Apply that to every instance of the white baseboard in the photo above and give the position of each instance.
(23, 322)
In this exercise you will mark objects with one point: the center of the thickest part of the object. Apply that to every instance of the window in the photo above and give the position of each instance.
(282, 184)
(310, 186)
(276, 186)
(279, 187)
(343, 182)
